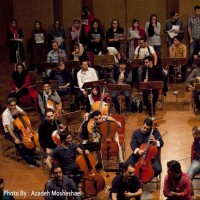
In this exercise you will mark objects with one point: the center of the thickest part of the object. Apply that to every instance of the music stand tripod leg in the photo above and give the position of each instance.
(175, 92)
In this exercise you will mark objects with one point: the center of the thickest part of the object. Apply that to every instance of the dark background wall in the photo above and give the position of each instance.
(27, 11)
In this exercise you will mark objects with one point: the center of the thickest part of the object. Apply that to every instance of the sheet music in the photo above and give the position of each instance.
(96, 36)
(171, 32)
(134, 34)
(118, 35)
(74, 35)
(58, 39)
(39, 38)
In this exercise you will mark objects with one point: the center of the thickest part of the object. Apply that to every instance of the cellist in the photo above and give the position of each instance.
(141, 136)
(8, 115)
(45, 95)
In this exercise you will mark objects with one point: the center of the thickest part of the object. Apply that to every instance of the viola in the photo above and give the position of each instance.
(28, 136)
(94, 181)
(56, 107)
(143, 168)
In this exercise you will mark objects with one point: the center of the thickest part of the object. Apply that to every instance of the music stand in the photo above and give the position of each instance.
(151, 85)
(48, 65)
(71, 64)
(174, 62)
(136, 63)
(88, 85)
(104, 60)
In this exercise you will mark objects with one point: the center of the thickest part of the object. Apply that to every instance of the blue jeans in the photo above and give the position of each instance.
(25, 153)
(127, 95)
(193, 45)
(194, 169)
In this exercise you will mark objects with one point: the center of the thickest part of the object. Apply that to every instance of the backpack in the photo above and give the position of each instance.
(136, 105)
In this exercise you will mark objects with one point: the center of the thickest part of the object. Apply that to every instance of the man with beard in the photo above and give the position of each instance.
(60, 187)
(46, 129)
(126, 185)
(177, 184)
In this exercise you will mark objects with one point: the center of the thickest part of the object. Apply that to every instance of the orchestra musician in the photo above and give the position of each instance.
(65, 155)
(140, 136)
(126, 185)
(11, 134)
(86, 74)
(151, 73)
(21, 84)
(121, 75)
(194, 77)
(194, 168)
(46, 129)
(177, 184)
(96, 134)
(60, 187)
(45, 95)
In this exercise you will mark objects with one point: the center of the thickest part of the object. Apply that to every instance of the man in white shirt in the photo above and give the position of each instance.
(86, 74)
(141, 52)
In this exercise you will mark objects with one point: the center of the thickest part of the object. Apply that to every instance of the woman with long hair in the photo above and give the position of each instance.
(152, 29)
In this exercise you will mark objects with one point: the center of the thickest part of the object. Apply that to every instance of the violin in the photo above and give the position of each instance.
(143, 168)
(94, 181)
(28, 136)
(56, 107)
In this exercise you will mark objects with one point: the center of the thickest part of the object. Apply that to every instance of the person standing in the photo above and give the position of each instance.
(152, 29)
(194, 33)
(15, 37)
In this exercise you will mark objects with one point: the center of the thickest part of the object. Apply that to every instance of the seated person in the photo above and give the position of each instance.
(86, 74)
(8, 117)
(78, 53)
(64, 78)
(96, 95)
(194, 168)
(65, 155)
(56, 55)
(106, 69)
(140, 136)
(47, 97)
(194, 77)
(126, 185)
(61, 185)
(5, 194)
(177, 184)
(46, 129)
(151, 73)
(21, 84)
(178, 50)
(121, 75)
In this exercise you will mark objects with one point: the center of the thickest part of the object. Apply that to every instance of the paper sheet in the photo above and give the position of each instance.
(39, 38)
(134, 34)
(58, 39)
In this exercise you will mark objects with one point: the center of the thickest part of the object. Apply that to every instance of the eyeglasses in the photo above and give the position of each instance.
(131, 173)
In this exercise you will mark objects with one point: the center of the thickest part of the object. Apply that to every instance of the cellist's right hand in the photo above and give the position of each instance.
(17, 141)
(141, 152)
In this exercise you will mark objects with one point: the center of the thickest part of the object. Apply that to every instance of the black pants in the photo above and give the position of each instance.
(196, 99)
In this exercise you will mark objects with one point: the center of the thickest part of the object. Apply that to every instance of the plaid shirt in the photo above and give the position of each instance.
(54, 56)
(169, 24)
(194, 26)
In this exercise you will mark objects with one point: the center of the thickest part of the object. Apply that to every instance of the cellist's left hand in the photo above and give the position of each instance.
(118, 124)
(153, 140)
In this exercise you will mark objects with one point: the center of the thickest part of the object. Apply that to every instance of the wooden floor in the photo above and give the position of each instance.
(177, 119)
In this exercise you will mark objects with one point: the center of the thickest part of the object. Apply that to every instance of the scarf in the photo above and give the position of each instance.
(15, 31)
(19, 79)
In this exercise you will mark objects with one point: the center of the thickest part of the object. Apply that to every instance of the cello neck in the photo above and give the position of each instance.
(101, 103)
(23, 121)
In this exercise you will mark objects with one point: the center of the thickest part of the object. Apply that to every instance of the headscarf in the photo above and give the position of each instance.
(14, 30)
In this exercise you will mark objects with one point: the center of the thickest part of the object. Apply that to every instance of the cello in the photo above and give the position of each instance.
(93, 180)
(28, 136)
(109, 147)
(143, 168)
(56, 107)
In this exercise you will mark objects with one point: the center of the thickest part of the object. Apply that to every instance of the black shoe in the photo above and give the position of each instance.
(99, 166)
